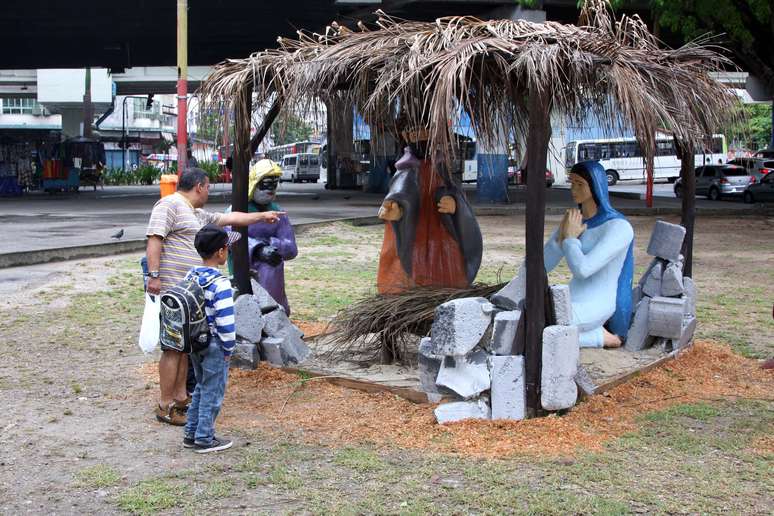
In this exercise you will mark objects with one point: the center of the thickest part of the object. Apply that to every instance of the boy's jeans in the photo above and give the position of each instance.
(211, 369)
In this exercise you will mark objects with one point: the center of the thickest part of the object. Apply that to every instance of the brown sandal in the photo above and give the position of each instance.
(170, 415)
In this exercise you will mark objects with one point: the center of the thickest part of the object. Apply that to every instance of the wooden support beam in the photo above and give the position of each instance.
(537, 150)
(242, 155)
(688, 180)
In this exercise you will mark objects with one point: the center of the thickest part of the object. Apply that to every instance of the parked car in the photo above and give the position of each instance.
(519, 177)
(760, 191)
(764, 153)
(757, 167)
(718, 181)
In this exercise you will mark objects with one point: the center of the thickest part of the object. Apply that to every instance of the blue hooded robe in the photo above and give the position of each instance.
(602, 264)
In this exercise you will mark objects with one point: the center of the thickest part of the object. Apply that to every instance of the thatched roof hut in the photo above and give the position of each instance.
(510, 76)
(613, 69)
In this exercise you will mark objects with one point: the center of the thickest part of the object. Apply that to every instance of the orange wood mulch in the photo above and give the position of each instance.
(270, 400)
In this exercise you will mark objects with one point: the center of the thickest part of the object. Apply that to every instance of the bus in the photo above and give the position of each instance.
(622, 158)
(305, 147)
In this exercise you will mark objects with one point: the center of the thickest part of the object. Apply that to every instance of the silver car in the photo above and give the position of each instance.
(757, 167)
(718, 181)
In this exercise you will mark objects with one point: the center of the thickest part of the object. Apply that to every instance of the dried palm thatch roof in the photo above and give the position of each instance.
(615, 70)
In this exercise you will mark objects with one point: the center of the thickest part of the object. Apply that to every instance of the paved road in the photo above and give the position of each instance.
(42, 221)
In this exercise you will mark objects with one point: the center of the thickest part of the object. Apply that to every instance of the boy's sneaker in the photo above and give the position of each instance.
(188, 442)
(217, 444)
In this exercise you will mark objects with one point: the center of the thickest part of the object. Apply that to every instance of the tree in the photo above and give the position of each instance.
(289, 128)
(754, 133)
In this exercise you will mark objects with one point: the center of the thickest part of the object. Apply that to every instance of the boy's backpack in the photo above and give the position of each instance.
(183, 320)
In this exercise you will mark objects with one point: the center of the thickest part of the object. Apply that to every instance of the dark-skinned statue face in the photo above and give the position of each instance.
(266, 191)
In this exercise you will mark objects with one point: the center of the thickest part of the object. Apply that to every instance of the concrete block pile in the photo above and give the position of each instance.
(470, 356)
(264, 332)
(664, 301)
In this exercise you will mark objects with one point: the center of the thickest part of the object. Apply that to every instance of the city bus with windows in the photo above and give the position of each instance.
(623, 159)
(278, 152)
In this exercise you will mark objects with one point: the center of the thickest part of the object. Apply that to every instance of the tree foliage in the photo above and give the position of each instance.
(755, 131)
(289, 128)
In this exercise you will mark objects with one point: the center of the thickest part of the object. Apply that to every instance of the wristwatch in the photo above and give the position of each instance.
(153, 274)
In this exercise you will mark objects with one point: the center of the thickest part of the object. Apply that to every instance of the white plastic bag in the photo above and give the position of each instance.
(149, 331)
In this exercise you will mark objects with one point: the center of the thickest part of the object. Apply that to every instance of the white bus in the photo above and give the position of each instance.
(623, 159)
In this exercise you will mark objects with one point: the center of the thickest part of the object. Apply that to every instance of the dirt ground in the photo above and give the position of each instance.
(77, 434)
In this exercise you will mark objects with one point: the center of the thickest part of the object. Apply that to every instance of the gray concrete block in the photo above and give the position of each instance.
(686, 334)
(636, 296)
(666, 241)
(689, 295)
(561, 354)
(665, 317)
(646, 274)
(277, 324)
(672, 280)
(249, 321)
(560, 295)
(429, 365)
(293, 349)
(461, 410)
(510, 297)
(638, 338)
(266, 302)
(459, 325)
(504, 332)
(246, 355)
(584, 382)
(468, 375)
(509, 398)
(652, 285)
(271, 350)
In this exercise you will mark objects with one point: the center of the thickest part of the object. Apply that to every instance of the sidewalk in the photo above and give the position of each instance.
(39, 227)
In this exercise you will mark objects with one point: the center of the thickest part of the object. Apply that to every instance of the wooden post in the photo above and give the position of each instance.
(537, 150)
(688, 180)
(649, 182)
(243, 109)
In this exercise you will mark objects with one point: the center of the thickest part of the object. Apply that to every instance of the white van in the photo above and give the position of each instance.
(298, 168)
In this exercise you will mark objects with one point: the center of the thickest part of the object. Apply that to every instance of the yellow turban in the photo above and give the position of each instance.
(262, 169)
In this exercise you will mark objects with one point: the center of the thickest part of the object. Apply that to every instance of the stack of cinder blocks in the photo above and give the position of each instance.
(470, 356)
(664, 301)
(264, 332)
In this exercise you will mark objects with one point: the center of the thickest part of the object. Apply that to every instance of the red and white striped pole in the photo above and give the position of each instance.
(182, 85)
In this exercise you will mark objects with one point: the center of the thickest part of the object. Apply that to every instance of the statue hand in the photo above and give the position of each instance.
(562, 233)
(447, 204)
(390, 210)
(575, 226)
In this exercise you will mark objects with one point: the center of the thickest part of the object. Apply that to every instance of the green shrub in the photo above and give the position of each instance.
(212, 169)
(147, 174)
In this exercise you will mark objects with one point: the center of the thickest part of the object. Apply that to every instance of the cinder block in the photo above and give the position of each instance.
(666, 241)
(636, 296)
(652, 285)
(584, 382)
(561, 353)
(689, 295)
(687, 331)
(638, 339)
(271, 350)
(665, 317)
(504, 332)
(646, 274)
(460, 410)
(429, 366)
(509, 399)
(468, 375)
(246, 355)
(560, 295)
(266, 302)
(459, 325)
(249, 321)
(510, 297)
(672, 280)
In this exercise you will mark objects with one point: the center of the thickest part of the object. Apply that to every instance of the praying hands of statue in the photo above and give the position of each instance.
(574, 226)
(447, 204)
(390, 210)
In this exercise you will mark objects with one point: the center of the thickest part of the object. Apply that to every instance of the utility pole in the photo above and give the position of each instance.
(88, 109)
(182, 85)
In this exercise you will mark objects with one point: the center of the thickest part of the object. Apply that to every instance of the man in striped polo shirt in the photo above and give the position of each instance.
(173, 225)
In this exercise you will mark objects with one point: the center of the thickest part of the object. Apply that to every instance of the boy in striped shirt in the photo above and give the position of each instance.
(211, 364)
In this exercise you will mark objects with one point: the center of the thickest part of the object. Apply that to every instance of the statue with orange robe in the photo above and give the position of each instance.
(431, 236)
